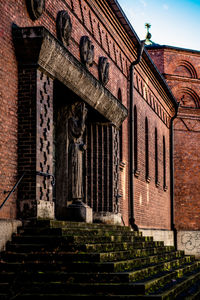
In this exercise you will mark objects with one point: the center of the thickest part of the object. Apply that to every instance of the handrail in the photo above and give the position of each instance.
(20, 179)
(12, 191)
(48, 175)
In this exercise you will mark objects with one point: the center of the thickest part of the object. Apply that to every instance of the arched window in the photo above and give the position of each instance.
(164, 164)
(119, 96)
(156, 158)
(147, 150)
(135, 141)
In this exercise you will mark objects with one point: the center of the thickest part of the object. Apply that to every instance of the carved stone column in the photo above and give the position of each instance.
(35, 148)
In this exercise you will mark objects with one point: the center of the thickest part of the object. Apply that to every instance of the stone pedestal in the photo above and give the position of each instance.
(108, 218)
(79, 212)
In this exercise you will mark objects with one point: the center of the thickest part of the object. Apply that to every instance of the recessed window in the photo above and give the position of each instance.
(119, 96)
(135, 142)
(147, 150)
(156, 157)
(164, 165)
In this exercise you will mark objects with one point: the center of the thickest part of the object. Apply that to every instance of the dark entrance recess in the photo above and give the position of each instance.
(100, 158)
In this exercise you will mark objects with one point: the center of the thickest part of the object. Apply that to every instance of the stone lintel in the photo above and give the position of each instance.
(37, 46)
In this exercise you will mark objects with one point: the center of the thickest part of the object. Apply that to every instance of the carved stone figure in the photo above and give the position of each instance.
(76, 127)
(103, 69)
(35, 8)
(64, 27)
(86, 51)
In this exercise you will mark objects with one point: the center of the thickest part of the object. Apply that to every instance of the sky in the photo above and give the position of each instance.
(173, 22)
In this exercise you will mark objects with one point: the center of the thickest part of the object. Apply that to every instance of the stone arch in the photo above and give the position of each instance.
(186, 69)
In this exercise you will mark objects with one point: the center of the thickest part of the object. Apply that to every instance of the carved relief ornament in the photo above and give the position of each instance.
(35, 8)
(86, 51)
(103, 69)
(64, 27)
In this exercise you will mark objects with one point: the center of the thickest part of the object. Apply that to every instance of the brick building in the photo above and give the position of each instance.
(181, 67)
(69, 65)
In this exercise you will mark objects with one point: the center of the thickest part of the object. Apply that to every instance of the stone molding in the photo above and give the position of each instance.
(37, 46)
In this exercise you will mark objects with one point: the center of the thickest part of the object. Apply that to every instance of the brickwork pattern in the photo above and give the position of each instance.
(181, 69)
(95, 20)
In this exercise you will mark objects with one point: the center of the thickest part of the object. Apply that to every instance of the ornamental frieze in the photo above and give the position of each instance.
(35, 8)
(64, 27)
(103, 69)
(86, 51)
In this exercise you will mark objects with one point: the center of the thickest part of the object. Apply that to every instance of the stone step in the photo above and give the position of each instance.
(59, 259)
(90, 257)
(123, 268)
(121, 290)
(104, 288)
(180, 287)
(77, 239)
(73, 225)
(69, 245)
(75, 231)
(107, 247)
(54, 264)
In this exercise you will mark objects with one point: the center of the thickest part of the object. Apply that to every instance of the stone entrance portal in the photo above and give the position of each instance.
(98, 162)
(86, 131)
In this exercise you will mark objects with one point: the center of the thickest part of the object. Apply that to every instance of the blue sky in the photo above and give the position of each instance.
(173, 22)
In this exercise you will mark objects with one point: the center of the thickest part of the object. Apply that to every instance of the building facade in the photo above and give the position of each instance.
(181, 69)
(86, 118)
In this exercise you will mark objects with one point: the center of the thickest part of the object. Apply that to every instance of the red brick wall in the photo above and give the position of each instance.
(187, 179)
(110, 40)
(182, 72)
(85, 22)
(152, 202)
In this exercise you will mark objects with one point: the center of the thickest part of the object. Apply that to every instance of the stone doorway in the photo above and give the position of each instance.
(99, 162)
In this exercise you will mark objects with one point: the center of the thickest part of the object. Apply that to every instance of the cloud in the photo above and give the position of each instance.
(143, 3)
(165, 6)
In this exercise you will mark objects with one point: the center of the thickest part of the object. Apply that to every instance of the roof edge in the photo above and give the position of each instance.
(118, 11)
(157, 46)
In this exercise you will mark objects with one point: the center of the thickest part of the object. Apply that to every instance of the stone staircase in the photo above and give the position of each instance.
(57, 259)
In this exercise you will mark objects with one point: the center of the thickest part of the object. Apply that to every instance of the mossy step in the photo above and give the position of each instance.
(90, 257)
(67, 224)
(107, 247)
(30, 247)
(180, 287)
(142, 288)
(74, 231)
(78, 276)
(122, 290)
(84, 288)
(192, 293)
(25, 239)
(66, 245)
(117, 266)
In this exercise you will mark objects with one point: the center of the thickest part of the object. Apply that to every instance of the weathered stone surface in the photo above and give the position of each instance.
(108, 218)
(7, 228)
(189, 241)
(45, 209)
(167, 236)
(79, 212)
(58, 62)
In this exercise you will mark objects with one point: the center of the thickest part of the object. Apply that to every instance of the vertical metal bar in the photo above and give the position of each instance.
(91, 166)
(111, 170)
(108, 167)
(101, 167)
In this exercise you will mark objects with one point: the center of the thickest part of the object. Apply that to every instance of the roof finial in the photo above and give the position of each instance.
(148, 35)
